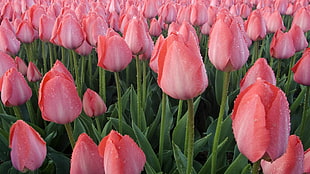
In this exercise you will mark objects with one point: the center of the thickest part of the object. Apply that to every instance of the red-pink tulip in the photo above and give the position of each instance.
(291, 162)
(93, 105)
(307, 161)
(28, 148)
(121, 155)
(58, 99)
(260, 70)
(8, 42)
(299, 38)
(233, 51)
(261, 121)
(85, 157)
(176, 77)
(113, 52)
(282, 45)
(15, 90)
(255, 26)
(33, 73)
(301, 69)
(21, 65)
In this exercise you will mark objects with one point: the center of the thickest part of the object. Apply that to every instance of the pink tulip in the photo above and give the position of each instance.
(93, 104)
(121, 155)
(113, 52)
(6, 63)
(46, 25)
(150, 8)
(35, 13)
(85, 157)
(282, 45)
(233, 52)
(302, 19)
(261, 121)
(307, 161)
(168, 12)
(28, 148)
(154, 58)
(8, 42)
(94, 25)
(58, 99)
(176, 77)
(67, 32)
(113, 21)
(299, 38)
(301, 69)
(33, 73)
(291, 162)
(274, 21)
(198, 14)
(155, 29)
(25, 33)
(255, 26)
(15, 90)
(260, 70)
(85, 49)
(21, 65)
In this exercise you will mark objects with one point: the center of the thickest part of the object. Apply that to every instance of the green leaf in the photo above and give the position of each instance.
(200, 144)
(62, 163)
(180, 158)
(151, 157)
(247, 169)
(237, 165)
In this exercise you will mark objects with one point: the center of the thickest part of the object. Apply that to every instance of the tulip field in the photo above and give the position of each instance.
(155, 86)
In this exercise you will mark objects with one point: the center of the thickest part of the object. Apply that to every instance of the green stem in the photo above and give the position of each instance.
(76, 71)
(119, 102)
(44, 57)
(189, 151)
(255, 55)
(279, 69)
(256, 167)
(139, 106)
(304, 114)
(70, 134)
(98, 124)
(90, 71)
(219, 122)
(30, 111)
(179, 110)
(102, 87)
(162, 128)
(51, 51)
(289, 76)
(82, 77)
(144, 84)
(29, 52)
(17, 112)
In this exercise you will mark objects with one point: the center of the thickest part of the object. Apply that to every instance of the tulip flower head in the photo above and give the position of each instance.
(85, 157)
(33, 73)
(121, 155)
(260, 70)
(58, 99)
(301, 69)
(282, 45)
(15, 90)
(291, 162)
(28, 148)
(93, 105)
(261, 121)
(176, 76)
(233, 51)
(307, 161)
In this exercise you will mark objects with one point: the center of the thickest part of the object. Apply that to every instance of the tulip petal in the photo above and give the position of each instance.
(249, 127)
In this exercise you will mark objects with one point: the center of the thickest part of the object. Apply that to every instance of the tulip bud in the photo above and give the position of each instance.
(301, 69)
(33, 74)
